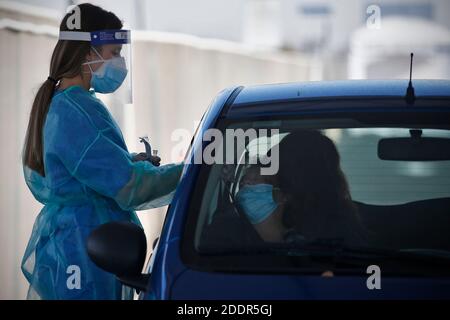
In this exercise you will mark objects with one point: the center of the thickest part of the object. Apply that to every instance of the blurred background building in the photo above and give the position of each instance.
(184, 53)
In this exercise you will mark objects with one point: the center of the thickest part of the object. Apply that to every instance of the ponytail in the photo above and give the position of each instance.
(34, 146)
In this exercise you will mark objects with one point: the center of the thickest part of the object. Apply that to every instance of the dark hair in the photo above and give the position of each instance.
(319, 200)
(66, 62)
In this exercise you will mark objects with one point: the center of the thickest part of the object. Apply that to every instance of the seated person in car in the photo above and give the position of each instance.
(312, 200)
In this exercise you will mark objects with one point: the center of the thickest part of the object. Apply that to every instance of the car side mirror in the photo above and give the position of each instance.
(120, 248)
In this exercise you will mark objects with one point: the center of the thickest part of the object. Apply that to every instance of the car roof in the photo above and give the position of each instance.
(348, 89)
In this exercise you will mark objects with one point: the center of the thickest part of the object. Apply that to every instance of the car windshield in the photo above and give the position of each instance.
(349, 193)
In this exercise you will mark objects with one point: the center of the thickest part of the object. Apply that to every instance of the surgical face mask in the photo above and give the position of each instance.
(256, 201)
(109, 76)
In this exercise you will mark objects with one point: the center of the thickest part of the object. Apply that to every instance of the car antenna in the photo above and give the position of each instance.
(410, 95)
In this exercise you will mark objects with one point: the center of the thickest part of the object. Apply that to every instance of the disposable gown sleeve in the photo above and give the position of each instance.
(95, 158)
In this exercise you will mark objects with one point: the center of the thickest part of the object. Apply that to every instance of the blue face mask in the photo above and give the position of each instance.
(256, 201)
(109, 76)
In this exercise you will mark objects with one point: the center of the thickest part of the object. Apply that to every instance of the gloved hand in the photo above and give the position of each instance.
(155, 160)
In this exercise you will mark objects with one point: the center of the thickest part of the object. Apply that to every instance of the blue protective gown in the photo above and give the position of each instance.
(89, 179)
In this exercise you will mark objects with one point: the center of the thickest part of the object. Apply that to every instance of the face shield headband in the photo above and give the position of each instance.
(114, 75)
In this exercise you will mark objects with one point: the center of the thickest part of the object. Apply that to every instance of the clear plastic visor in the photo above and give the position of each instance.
(106, 45)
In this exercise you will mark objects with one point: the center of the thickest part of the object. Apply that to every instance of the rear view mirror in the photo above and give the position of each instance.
(415, 148)
(120, 248)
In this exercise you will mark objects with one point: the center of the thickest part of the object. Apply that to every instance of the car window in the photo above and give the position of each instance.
(355, 201)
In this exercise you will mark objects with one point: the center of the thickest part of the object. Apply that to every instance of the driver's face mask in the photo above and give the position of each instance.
(256, 201)
(109, 76)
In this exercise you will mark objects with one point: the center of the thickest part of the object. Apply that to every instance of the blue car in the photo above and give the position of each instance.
(359, 174)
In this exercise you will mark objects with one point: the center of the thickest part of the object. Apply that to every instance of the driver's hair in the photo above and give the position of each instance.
(319, 202)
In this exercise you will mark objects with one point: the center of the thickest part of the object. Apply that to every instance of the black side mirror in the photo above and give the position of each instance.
(120, 248)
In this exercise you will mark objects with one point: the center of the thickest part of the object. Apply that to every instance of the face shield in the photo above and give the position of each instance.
(111, 66)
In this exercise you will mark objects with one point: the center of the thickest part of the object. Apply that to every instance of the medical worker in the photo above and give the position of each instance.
(76, 162)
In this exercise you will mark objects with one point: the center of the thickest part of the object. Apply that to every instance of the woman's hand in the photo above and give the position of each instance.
(155, 160)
